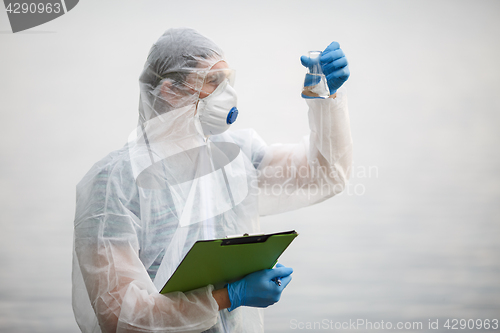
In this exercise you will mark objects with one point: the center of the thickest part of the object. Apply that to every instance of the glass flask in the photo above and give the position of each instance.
(315, 85)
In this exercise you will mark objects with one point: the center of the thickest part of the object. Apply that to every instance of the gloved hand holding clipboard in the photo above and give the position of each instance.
(225, 260)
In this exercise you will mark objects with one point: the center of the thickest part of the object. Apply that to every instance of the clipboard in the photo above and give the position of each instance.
(225, 260)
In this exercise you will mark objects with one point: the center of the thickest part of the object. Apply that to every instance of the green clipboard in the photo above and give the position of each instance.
(224, 260)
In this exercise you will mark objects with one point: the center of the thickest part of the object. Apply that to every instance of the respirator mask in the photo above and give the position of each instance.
(218, 111)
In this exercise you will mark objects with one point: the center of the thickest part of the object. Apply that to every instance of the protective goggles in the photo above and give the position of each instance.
(208, 80)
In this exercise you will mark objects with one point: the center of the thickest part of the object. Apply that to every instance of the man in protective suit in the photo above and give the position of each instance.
(183, 177)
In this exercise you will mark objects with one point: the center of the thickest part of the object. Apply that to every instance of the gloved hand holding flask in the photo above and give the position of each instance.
(260, 288)
(331, 64)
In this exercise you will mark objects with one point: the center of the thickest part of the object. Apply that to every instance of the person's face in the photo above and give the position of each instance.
(194, 87)
(215, 76)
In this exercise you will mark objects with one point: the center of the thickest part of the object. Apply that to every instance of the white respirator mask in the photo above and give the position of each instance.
(218, 111)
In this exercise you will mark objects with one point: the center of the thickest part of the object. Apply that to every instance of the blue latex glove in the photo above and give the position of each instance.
(259, 289)
(334, 65)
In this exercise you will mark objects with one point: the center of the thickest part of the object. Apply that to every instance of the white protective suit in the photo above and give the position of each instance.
(141, 208)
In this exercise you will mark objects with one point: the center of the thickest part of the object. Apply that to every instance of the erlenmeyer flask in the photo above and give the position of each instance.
(315, 85)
